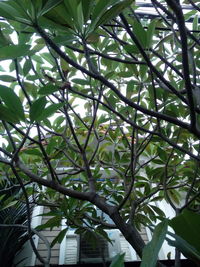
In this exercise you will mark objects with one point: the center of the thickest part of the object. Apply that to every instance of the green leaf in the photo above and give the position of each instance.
(113, 12)
(31, 89)
(99, 230)
(12, 101)
(48, 57)
(174, 195)
(99, 9)
(24, 38)
(81, 81)
(87, 6)
(195, 23)
(14, 51)
(64, 39)
(7, 11)
(162, 154)
(8, 205)
(150, 33)
(112, 101)
(37, 108)
(158, 210)
(186, 225)
(80, 19)
(140, 33)
(103, 119)
(151, 250)
(143, 72)
(21, 11)
(190, 14)
(130, 88)
(52, 222)
(48, 89)
(131, 48)
(49, 111)
(32, 152)
(118, 261)
(4, 40)
(27, 67)
(72, 7)
(184, 247)
(50, 4)
(59, 238)
(7, 78)
(7, 115)
(37, 58)
(57, 17)
(125, 74)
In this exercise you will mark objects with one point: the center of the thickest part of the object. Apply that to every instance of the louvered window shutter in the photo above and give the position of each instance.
(71, 255)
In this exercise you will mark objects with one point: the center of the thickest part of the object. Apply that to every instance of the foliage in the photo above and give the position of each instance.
(101, 107)
(152, 249)
(118, 261)
(187, 234)
(12, 239)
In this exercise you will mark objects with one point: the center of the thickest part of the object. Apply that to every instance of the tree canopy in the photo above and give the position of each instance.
(100, 110)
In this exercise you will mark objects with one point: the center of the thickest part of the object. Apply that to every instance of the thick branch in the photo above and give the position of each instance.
(52, 184)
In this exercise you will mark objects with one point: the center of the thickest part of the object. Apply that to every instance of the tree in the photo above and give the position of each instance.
(136, 79)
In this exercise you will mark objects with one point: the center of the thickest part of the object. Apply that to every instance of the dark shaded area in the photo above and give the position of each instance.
(184, 263)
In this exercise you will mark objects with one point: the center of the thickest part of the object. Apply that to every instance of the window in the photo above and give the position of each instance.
(78, 250)
(93, 252)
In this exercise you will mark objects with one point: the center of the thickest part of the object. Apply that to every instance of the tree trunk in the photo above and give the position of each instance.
(130, 233)
(128, 230)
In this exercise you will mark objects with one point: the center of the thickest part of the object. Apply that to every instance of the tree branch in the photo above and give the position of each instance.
(114, 89)
(185, 63)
